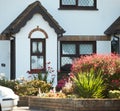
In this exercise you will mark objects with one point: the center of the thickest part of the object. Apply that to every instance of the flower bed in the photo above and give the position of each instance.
(95, 76)
(63, 104)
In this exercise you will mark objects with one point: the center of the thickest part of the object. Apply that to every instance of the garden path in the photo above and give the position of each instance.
(23, 109)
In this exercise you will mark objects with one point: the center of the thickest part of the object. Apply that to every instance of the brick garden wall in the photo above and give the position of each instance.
(54, 104)
(23, 101)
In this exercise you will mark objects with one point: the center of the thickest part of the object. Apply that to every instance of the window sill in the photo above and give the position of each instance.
(36, 71)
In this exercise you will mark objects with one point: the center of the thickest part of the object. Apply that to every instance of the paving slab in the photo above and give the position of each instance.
(23, 109)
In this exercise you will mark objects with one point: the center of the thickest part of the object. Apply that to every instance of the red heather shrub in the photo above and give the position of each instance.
(61, 82)
(108, 64)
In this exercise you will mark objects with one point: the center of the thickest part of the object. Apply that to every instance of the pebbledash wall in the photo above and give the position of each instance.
(74, 22)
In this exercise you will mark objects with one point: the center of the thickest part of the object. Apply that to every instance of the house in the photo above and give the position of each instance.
(36, 32)
(114, 30)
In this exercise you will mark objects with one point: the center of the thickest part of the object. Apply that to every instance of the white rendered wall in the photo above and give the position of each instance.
(5, 58)
(103, 47)
(23, 45)
(75, 22)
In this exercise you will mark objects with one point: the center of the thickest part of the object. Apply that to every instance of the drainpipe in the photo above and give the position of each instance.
(0, 108)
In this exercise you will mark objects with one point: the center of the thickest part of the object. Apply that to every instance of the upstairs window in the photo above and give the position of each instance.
(78, 4)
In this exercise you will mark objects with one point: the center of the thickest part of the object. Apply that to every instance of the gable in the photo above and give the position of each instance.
(114, 28)
(27, 14)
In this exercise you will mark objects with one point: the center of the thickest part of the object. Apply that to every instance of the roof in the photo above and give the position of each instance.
(84, 38)
(27, 14)
(114, 28)
(3, 37)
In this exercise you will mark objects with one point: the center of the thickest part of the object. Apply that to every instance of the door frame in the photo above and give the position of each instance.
(12, 59)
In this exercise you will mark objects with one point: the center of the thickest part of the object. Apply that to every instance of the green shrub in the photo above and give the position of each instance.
(32, 87)
(89, 84)
(9, 83)
(114, 94)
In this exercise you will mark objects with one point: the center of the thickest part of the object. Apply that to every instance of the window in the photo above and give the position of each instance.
(78, 4)
(37, 54)
(72, 50)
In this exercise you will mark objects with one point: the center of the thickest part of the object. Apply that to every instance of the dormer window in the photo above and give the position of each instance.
(78, 4)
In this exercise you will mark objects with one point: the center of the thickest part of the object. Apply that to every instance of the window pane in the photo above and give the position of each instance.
(66, 60)
(40, 47)
(37, 62)
(68, 2)
(85, 2)
(34, 47)
(68, 49)
(85, 48)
